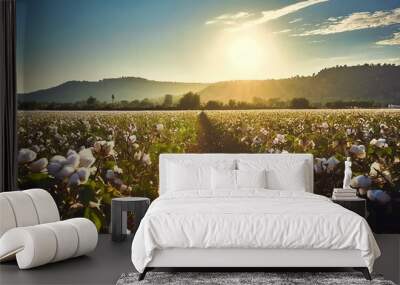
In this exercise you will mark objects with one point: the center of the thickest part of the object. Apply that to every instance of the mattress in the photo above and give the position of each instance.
(250, 219)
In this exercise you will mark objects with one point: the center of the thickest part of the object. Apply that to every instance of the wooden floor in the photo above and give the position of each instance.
(110, 259)
(103, 266)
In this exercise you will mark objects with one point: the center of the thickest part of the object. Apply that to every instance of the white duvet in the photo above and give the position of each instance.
(250, 219)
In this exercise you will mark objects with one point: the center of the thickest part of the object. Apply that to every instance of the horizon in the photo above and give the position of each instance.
(198, 82)
(192, 42)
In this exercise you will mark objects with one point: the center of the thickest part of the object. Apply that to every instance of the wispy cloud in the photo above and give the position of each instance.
(283, 31)
(317, 41)
(244, 21)
(356, 21)
(296, 20)
(229, 19)
(393, 41)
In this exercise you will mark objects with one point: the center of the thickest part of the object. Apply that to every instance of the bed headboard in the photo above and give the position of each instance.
(216, 157)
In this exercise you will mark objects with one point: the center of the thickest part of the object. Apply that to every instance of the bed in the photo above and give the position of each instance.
(247, 210)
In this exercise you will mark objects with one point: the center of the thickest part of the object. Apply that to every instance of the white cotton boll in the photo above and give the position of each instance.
(73, 160)
(74, 180)
(118, 169)
(257, 140)
(26, 155)
(358, 151)
(84, 174)
(132, 139)
(325, 125)
(279, 139)
(53, 168)
(86, 158)
(159, 127)
(98, 145)
(71, 152)
(381, 143)
(109, 146)
(375, 167)
(361, 181)
(146, 159)
(262, 131)
(39, 165)
(65, 172)
(93, 170)
(58, 159)
(137, 155)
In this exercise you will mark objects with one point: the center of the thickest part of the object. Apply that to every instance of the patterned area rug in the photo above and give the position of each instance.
(242, 278)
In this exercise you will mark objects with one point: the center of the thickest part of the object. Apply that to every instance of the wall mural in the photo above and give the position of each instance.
(106, 86)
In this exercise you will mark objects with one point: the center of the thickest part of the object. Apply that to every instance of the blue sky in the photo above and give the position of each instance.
(199, 41)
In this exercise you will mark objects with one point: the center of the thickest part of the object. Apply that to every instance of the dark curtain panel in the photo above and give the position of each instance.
(8, 100)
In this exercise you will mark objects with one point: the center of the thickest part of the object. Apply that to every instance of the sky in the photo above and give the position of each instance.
(199, 41)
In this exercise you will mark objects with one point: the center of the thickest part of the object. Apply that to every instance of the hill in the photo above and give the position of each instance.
(380, 83)
(125, 88)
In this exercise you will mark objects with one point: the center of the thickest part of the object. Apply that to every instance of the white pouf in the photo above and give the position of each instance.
(31, 232)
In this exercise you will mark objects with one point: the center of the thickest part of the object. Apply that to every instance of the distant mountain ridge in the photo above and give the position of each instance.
(380, 83)
(125, 88)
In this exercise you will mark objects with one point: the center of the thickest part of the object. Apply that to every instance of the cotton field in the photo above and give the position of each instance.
(85, 159)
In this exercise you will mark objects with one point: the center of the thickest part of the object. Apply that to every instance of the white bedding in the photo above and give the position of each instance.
(250, 219)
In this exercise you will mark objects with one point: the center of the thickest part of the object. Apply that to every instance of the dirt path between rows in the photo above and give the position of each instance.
(209, 140)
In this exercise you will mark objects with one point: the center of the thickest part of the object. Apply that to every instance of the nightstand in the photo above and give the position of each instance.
(119, 208)
(357, 205)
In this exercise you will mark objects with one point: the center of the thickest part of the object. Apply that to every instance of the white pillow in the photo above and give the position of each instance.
(181, 177)
(223, 179)
(283, 179)
(251, 178)
(282, 174)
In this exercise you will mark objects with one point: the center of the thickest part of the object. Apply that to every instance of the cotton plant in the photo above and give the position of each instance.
(74, 168)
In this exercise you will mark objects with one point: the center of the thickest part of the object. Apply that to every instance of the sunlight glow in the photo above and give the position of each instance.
(245, 53)
(248, 54)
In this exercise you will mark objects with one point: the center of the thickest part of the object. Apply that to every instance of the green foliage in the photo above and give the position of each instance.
(91, 101)
(127, 167)
(299, 103)
(189, 101)
(168, 101)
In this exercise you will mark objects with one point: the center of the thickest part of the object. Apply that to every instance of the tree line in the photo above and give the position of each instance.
(191, 101)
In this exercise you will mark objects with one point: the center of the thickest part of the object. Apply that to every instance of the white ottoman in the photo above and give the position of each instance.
(31, 232)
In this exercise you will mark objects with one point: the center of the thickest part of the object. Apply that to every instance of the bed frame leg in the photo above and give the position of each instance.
(364, 271)
(143, 274)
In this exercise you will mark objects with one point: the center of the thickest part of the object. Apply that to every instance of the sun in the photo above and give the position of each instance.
(245, 53)
(248, 55)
